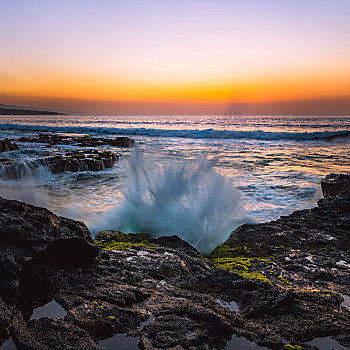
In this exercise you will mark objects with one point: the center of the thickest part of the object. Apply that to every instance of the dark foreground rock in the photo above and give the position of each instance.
(161, 294)
(6, 145)
(78, 140)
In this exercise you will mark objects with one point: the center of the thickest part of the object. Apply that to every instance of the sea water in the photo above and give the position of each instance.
(276, 163)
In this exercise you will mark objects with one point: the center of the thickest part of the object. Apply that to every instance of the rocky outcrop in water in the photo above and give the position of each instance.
(78, 140)
(335, 184)
(277, 284)
(87, 160)
(6, 145)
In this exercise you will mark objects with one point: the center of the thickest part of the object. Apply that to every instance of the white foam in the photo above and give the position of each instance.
(190, 200)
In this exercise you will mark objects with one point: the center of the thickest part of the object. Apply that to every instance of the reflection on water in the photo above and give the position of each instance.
(119, 342)
(242, 343)
(232, 305)
(346, 301)
(327, 343)
(50, 310)
(8, 345)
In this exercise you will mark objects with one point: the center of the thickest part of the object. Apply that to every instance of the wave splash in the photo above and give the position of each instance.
(23, 171)
(189, 200)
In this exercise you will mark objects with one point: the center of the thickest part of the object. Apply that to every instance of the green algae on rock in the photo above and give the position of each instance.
(115, 240)
(292, 347)
(236, 260)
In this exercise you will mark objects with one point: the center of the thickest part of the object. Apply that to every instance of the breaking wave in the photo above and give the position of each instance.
(24, 171)
(186, 133)
(190, 200)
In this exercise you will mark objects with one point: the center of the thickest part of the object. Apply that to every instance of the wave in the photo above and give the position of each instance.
(190, 200)
(185, 133)
(23, 171)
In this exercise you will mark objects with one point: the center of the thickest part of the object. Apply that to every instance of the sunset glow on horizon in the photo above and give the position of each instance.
(167, 52)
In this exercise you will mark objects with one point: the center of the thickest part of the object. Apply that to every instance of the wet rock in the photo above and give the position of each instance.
(87, 160)
(79, 140)
(178, 244)
(6, 145)
(14, 170)
(335, 184)
(119, 142)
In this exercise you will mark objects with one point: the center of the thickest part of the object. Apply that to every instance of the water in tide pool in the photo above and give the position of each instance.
(275, 162)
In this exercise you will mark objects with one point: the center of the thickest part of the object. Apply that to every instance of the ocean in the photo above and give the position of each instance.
(276, 162)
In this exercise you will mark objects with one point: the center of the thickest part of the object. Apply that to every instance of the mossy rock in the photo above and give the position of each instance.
(237, 260)
(292, 347)
(115, 240)
(225, 251)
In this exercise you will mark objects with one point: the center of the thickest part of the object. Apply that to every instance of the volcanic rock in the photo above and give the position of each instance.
(87, 160)
(6, 145)
(277, 284)
(335, 184)
(78, 140)
(29, 234)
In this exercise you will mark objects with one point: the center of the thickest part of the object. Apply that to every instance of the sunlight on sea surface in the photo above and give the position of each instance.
(277, 162)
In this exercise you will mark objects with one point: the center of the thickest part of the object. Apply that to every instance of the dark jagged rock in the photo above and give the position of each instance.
(5, 318)
(6, 145)
(29, 233)
(79, 140)
(46, 333)
(280, 285)
(335, 184)
(119, 141)
(87, 160)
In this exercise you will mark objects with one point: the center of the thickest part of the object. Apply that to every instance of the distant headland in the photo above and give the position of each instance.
(18, 110)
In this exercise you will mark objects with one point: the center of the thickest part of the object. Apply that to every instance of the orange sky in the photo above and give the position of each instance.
(166, 53)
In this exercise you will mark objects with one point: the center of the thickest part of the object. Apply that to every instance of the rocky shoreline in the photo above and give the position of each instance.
(78, 160)
(277, 285)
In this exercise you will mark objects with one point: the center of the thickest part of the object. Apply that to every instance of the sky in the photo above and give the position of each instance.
(179, 56)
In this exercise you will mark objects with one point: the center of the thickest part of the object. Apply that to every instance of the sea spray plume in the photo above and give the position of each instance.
(190, 200)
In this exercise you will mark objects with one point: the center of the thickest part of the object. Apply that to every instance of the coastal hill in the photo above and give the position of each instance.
(18, 110)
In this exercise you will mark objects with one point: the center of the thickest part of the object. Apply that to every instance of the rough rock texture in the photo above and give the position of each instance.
(164, 295)
(79, 140)
(91, 160)
(335, 184)
(31, 235)
(6, 145)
